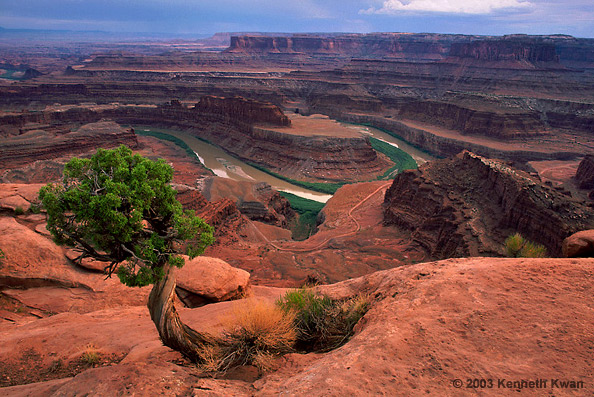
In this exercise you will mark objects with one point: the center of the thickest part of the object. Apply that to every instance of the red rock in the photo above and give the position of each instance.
(580, 244)
(206, 280)
(506, 49)
(585, 173)
(428, 324)
(467, 205)
(13, 196)
(244, 110)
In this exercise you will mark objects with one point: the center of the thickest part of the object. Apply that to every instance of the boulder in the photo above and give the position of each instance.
(580, 244)
(205, 280)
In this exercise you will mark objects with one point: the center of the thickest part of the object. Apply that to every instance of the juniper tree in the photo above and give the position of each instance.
(120, 208)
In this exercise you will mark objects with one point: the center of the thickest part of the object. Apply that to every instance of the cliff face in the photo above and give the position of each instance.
(229, 125)
(585, 173)
(410, 46)
(467, 206)
(50, 143)
(245, 110)
(506, 50)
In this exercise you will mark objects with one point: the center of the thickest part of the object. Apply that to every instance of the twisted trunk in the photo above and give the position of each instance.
(173, 332)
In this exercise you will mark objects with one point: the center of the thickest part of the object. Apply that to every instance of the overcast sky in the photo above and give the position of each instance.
(575, 17)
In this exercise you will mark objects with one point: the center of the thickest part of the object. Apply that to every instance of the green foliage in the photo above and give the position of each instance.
(35, 208)
(166, 137)
(402, 160)
(517, 246)
(308, 211)
(119, 207)
(2, 256)
(322, 323)
(19, 211)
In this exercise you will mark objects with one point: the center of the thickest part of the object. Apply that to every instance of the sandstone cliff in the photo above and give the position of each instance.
(245, 110)
(585, 173)
(40, 143)
(511, 49)
(468, 205)
(410, 46)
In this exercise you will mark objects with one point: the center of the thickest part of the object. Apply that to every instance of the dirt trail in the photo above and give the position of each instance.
(323, 243)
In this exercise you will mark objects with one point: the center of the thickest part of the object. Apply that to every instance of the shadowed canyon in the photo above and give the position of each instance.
(393, 166)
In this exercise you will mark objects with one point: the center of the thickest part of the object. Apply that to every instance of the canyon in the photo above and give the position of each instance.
(506, 124)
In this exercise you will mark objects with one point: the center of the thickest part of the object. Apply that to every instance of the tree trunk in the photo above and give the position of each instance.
(173, 332)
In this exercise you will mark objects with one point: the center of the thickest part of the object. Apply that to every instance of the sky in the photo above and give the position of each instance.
(491, 17)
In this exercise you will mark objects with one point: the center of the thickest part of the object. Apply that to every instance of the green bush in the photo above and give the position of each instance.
(516, 246)
(322, 324)
(19, 211)
(35, 208)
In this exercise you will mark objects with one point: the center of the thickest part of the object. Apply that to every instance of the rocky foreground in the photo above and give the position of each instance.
(502, 320)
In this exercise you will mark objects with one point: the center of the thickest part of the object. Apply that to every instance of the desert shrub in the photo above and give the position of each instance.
(35, 208)
(19, 211)
(91, 355)
(322, 323)
(516, 246)
(1, 255)
(255, 333)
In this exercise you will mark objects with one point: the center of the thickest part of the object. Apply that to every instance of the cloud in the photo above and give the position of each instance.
(475, 7)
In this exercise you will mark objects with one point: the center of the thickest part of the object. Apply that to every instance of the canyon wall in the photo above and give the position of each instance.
(584, 175)
(529, 50)
(467, 205)
(423, 46)
(410, 46)
(247, 110)
(310, 158)
(441, 146)
(37, 143)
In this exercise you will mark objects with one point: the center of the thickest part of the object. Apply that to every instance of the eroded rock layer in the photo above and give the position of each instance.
(296, 156)
(36, 142)
(246, 110)
(467, 205)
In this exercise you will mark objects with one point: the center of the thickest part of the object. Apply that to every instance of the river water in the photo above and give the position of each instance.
(227, 166)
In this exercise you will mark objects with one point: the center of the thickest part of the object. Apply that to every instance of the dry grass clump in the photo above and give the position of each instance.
(323, 324)
(516, 246)
(90, 355)
(255, 333)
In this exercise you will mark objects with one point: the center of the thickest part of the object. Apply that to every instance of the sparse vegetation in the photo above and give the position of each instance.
(402, 160)
(35, 207)
(90, 355)
(308, 211)
(516, 246)
(322, 324)
(19, 211)
(256, 332)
